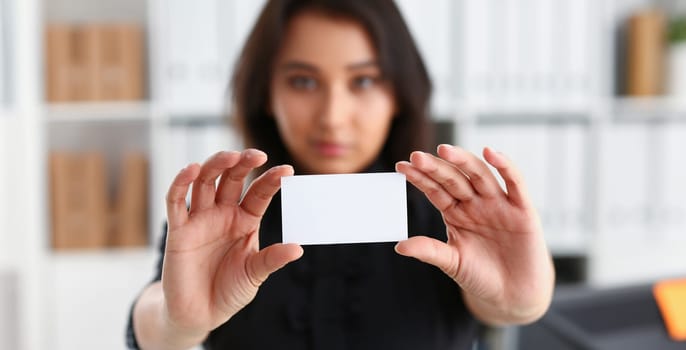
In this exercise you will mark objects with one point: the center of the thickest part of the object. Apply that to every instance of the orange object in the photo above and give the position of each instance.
(79, 200)
(645, 56)
(671, 299)
(131, 208)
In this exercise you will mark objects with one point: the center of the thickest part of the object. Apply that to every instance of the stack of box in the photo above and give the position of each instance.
(94, 62)
(131, 204)
(82, 215)
(79, 200)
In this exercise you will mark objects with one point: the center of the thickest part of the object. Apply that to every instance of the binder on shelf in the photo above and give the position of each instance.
(58, 62)
(577, 71)
(94, 62)
(645, 56)
(526, 145)
(79, 203)
(568, 178)
(206, 140)
(3, 51)
(130, 222)
(192, 68)
(432, 28)
(542, 42)
(623, 181)
(118, 52)
(479, 53)
(671, 182)
(527, 55)
(511, 70)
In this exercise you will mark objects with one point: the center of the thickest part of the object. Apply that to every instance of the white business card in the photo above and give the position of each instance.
(346, 208)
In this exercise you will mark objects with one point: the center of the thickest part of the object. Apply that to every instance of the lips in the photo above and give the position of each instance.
(330, 149)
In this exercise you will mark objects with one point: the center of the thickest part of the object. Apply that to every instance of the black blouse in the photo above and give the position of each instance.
(350, 296)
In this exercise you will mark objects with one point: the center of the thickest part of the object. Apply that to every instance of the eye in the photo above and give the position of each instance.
(301, 82)
(364, 82)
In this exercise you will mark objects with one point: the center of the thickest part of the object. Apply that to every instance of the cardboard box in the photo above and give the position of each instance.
(646, 56)
(119, 62)
(94, 62)
(131, 208)
(78, 201)
(57, 62)
(69, 63)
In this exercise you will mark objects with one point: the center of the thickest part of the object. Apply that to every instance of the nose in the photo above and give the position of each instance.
(336, 108)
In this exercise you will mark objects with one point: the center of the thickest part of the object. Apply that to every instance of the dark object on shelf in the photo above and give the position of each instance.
(582, 318)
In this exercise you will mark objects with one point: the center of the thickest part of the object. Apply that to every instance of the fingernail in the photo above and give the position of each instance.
(186, 167)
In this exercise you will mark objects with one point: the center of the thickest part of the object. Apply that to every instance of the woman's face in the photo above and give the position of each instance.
(331, 104)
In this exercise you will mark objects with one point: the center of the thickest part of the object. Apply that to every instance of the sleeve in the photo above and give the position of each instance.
(131, 342)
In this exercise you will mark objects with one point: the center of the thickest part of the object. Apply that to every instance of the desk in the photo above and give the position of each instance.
(583, 318)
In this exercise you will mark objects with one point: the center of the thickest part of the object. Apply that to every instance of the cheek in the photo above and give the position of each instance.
(293, 113)
(380, 106)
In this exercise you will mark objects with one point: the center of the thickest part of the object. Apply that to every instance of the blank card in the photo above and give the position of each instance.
(350, 208)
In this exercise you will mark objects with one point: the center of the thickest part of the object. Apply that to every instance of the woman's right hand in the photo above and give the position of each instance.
(212, 265)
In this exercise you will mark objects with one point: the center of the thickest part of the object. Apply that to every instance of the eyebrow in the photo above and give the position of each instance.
(299, 65)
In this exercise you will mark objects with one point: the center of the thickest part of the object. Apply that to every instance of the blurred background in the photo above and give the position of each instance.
(103, 101)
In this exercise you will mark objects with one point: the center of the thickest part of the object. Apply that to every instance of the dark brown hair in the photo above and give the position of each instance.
(399, 61)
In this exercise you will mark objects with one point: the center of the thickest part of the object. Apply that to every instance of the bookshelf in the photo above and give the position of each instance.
(580, 146)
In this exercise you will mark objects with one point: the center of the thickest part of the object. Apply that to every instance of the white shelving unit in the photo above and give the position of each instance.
(97, 112)
(579, 151)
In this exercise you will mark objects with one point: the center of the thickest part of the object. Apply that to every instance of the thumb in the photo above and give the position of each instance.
(431, 251)
(260, 265)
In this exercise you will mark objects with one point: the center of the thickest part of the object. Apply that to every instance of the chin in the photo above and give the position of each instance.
(335, 166)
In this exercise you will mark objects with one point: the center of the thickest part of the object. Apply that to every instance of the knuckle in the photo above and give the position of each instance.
(432, 191)
(477, 176)
(450, 183)
(252, 276)
(264, 196)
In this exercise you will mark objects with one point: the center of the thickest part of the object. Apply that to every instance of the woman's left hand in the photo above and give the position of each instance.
(495, 249)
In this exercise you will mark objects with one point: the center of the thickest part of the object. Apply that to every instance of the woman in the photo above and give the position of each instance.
(339, 87)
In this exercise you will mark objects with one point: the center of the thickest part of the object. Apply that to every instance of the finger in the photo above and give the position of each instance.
(447, 175)
(177, 210)
(260, 193)
(231, 184)
(431, 251)
(514, 181)
(268, 260)
(436, 194)
(481, 178)
(204, 186)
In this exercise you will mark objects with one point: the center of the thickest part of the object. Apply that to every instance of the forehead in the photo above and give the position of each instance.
(325, 40)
